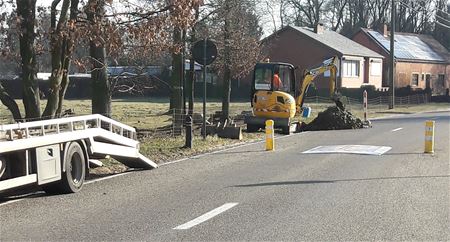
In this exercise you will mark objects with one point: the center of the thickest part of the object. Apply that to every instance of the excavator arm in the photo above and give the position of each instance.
(310, 75)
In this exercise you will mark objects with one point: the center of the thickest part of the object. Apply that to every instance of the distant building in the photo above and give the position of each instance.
(306, 48)
(421, 61)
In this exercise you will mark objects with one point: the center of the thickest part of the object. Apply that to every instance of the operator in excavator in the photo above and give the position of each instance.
(277, 83)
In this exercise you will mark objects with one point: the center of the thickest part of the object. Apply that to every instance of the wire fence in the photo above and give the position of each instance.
(151, 122)
(374, 103)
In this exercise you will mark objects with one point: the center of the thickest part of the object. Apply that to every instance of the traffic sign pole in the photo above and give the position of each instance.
(204, 89)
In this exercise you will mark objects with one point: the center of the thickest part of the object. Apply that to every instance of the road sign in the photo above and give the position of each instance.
(204, 52)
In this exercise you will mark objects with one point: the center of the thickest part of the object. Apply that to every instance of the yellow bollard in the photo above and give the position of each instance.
(270, 136)
(429, 136)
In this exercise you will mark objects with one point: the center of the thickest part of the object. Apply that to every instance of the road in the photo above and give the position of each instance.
(247, 193)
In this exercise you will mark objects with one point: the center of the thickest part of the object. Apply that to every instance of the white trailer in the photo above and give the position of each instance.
(56, 154)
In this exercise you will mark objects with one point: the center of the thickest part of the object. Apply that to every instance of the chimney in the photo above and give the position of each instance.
(384, 30)
(319, 28)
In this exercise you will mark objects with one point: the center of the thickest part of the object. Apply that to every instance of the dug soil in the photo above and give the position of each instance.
(334, 118)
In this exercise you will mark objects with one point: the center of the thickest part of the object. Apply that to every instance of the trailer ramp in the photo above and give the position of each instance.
(103, 137)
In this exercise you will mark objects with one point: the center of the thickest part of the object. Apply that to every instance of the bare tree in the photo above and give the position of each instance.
(235, 27)
(308, 12)
(63, 36)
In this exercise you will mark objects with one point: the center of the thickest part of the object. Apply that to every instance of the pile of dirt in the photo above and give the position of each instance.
(334, 118)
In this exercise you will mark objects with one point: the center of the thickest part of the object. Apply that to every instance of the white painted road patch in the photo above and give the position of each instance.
(206, 216)
(349, 149)
(397, 129)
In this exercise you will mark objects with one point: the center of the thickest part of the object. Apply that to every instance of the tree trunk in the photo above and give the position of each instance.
(10, 103)
(227, 67)
(61, 51)
(26, 10)
(101, 91)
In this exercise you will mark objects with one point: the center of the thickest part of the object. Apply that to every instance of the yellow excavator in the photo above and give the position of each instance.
(276, 95)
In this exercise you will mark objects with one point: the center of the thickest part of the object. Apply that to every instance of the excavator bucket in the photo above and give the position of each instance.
(339, 100)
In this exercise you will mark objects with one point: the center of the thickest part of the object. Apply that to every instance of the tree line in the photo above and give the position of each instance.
(348, 16)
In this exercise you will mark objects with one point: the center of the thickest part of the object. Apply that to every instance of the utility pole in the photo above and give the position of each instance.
(392, 57)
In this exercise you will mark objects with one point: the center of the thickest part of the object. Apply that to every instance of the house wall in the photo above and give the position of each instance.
(405, 70)
(300, 51)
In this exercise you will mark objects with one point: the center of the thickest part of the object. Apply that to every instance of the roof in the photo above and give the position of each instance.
(337, 42)
(408, 46)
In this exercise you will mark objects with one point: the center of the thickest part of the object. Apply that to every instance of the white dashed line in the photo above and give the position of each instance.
(397, 129)
(206, 216)
(106, 178)
(12, 201)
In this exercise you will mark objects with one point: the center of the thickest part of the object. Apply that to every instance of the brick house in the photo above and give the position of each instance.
(306, 48)
(421, 61)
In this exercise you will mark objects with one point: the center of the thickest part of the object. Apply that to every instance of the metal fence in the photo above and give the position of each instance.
(376, 102)
(159, 123)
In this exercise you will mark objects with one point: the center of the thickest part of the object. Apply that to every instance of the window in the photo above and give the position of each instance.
(285, 76)
(375, 69)
(441, 80)
(263, 78)
(350, 68)
(415, 80)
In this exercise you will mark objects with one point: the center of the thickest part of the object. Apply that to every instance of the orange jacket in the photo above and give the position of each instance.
(277, 84)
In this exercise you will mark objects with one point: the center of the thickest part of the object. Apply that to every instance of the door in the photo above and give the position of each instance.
(428, 81)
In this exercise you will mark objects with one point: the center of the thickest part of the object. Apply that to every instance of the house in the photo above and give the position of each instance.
(421, 61)
(306, 48)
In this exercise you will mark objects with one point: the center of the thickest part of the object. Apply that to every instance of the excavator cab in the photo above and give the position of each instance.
(266, 74)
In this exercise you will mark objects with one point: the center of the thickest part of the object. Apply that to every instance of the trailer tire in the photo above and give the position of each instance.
(73, 178)
(2, 166)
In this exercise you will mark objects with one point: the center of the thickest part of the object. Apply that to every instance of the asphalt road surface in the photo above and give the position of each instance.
(247, 193)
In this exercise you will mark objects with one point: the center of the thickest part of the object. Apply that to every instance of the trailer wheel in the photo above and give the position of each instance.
(73, 178)
(2, 166)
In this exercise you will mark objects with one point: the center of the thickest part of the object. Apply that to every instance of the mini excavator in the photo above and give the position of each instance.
(276, 95)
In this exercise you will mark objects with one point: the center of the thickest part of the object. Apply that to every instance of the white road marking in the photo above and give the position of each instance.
(206, 216)
(22, 197)
(107, 178)
(397, 129)
(349, 149)
(12, 201)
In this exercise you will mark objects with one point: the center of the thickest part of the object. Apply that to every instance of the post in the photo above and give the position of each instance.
(270, 136)
(365, 105)
(204, 90)
(189, 136)
(392, 58)
(183, 72)
(429, 136)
